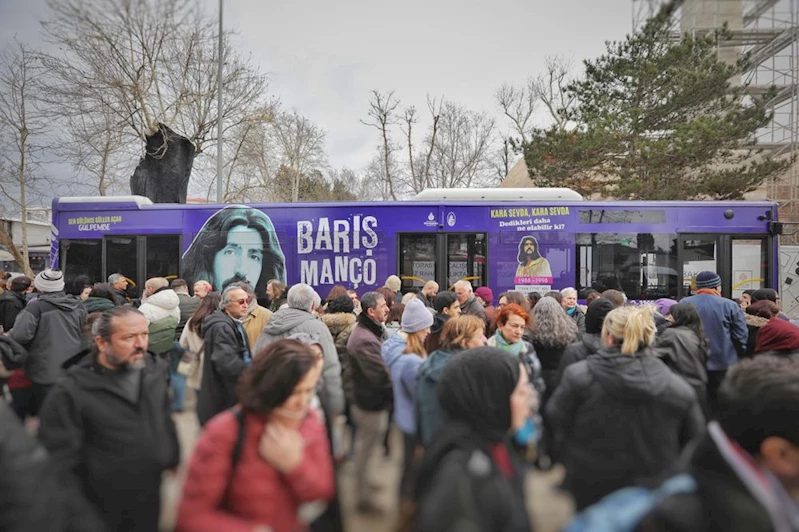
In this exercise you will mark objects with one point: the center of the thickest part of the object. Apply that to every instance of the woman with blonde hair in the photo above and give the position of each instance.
(458, 334)
(622, 416)
(404, 353)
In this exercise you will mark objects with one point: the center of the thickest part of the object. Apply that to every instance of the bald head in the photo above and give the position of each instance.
(430, 289)
(154, 284)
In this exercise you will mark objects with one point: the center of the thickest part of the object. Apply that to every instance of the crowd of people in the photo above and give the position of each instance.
(289, 386)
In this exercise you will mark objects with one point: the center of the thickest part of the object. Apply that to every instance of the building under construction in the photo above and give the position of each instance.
(768, 31)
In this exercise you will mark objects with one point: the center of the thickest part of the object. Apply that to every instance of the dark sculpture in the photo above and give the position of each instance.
(163, 173)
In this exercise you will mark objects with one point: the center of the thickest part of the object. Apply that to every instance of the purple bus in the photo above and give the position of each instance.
(507, 239)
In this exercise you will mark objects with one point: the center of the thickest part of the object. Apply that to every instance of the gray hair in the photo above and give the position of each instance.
(554, 328)
(302, 297)
(102, 325)
(464, 284)
(156, 282)
(567, 291)
(226, 295)
(370, 300)
(244, 285)
(115, 277)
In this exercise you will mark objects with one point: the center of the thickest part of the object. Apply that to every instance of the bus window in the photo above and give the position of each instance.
(749, 261)
(82, 257)
(121, 254)
(699, 253)
(163, 256)
(466, 258)
(642, 265)
(417, 259)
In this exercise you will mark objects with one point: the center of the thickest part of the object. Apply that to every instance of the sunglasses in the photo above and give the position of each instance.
(245, 301)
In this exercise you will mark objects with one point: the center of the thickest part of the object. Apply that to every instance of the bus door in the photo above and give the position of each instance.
(742, 261)
(141, 257)
(442, 257)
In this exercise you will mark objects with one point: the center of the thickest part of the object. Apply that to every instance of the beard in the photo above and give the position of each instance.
(131, 364)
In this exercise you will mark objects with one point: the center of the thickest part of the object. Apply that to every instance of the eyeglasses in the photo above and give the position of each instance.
(245, 301)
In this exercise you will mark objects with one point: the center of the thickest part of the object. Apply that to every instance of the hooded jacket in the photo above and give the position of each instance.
(98, 304)
(623, 420)
(288, 321)
(11, 304)
(223, 363)
(779, 336)
(753, 325)
(340, 325)
(589, 344)
(430, 415)
(100, 441)
(682, 351)
(50, 329)
(162, 310)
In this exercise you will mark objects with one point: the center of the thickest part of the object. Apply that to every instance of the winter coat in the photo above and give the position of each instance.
(50, 329)
(473, 307)
(254, 323)
(623, 420)
(491, 320)
(589, 344)
(777, 335)
(428, 409)
(191, 341)
(223, 363)
(188, 305)
(97, 304)
(404, 370)
(340, 325)
(102, 442)
(721, 502)
(11, 304)
(550, 357)
(30, 494)
(371, 381)
(725, 327)
(162, 310)
(216, 498)
(121, 296)
(433, 341)
(686, 355)
(461, 488)
(578, 317)
(288, 321)
(753, 325)
(528, 357)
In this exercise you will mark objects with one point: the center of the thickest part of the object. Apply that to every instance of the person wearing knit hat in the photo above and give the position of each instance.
(49, 281)
(404, 353)
(725, 328)
(663, 305)
(50, 329)
(777, 337)
(485, 297)
(484, 396)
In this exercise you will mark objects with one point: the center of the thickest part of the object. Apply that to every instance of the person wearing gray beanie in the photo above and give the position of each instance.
(49, 281)
(404, 353)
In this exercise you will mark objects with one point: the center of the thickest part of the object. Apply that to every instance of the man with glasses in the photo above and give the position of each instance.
(227, 354)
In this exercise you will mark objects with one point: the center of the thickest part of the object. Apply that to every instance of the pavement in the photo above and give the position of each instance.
(550, 508)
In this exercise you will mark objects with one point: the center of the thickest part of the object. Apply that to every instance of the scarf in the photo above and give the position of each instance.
(707, 291)
(513, 349)
(571, 311)
(370, 324)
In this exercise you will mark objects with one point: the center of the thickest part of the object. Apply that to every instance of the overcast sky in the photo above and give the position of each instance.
(323, 57)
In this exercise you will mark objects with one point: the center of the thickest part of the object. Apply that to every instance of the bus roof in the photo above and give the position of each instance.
(497, 194)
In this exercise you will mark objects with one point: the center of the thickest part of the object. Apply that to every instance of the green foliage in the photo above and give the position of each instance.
(313, 187)
(657, 119)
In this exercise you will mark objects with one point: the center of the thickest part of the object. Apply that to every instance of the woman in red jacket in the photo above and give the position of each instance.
(257, 478)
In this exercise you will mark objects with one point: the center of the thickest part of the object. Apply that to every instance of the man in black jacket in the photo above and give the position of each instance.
(12, 301)
(747, 465)
(108, 426)
(227, 354)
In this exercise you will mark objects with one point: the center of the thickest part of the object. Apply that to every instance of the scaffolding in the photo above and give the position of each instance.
(768, 32)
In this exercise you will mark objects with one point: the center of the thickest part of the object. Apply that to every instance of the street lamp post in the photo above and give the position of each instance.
(220, 184)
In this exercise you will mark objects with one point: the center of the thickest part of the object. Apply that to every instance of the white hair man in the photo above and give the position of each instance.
(299, 317)
(469, 303)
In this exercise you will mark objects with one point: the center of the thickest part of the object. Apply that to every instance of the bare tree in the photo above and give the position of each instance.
(381, 113)
(147, 62)
(463, 147)
(518, 105)
(22, 127)
(302, 145)
(419, 166)
(550, 87)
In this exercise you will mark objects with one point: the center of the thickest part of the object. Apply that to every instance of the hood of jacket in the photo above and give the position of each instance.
(61, 300)
(439, 320)
(755, 321)
(286, 319)
(393, 349)
(165, 299)
(98, 304)
(592, 342)
(434, 365)
(640, 377)
(338, 322)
